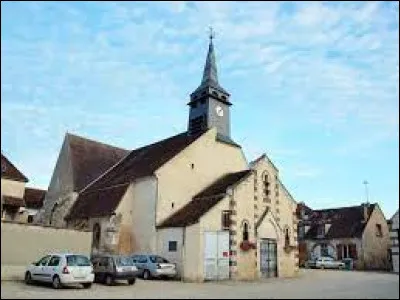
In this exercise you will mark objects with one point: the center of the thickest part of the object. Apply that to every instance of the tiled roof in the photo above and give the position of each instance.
(9, 171)
(34, 198)
(203, 201)
(346, 222)
(97, 203)
(13, 201)
(90, 159)
(144, 161)
(138, 163)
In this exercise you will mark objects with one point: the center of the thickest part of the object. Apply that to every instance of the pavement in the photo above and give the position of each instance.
(310, 284)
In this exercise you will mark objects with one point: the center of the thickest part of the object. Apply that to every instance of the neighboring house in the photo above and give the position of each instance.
(33, 199)
(394, 238)
(192, 197)
(357, 232)
(12, 191)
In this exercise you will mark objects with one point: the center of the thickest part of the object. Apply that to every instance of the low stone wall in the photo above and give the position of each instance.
(22, 244)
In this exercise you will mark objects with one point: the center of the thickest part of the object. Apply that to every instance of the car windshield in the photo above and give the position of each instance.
(78, 261)
(158, 259)
(124, 261)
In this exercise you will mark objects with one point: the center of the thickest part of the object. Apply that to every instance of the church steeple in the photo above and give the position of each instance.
(209, 103)
(210, 73)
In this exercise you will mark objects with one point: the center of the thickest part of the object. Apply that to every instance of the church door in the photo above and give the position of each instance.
(268, 258)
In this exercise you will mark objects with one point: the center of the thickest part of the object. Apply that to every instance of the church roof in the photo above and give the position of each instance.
(97, 203)
(90, 159)
(34, 198)
(141, 162)
(9, 171)
(203, 201)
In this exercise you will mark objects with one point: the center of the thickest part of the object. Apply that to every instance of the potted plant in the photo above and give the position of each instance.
(247, 245)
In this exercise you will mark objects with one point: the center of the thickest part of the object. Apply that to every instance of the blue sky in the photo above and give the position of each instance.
(314, 85)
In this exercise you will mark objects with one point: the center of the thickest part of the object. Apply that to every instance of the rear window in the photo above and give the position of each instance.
(124, 261)
(158, 259)
(78, 261)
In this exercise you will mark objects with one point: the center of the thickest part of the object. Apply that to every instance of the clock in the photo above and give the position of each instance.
(219, 111)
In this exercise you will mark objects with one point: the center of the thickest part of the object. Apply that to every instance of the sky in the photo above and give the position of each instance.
(314, 85)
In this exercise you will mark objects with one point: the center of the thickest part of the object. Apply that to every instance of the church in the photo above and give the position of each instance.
(192, 198)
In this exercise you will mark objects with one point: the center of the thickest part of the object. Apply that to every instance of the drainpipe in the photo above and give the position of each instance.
(183, 254)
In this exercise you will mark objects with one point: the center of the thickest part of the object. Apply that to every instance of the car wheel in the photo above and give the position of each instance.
(28, 278)
(87, 285)
(146, 275)
(132, 281)
(56, 282)
(109, 280)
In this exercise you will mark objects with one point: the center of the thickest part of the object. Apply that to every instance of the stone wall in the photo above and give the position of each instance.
(22, 244)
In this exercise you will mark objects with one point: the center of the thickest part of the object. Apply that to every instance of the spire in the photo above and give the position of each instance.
(210, 69)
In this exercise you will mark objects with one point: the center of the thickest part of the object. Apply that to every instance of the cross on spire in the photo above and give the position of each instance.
(212, 33)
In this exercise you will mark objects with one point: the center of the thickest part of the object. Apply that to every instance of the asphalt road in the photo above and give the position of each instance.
(315, 284)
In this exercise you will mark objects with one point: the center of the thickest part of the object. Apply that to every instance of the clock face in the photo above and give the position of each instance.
(219, 111)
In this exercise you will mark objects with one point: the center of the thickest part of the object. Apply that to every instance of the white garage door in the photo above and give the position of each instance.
(216, 255)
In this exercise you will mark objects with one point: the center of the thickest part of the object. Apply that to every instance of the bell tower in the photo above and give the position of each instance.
(209, 103)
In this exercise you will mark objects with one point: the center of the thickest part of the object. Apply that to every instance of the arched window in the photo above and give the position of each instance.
(266, 184)
(287, 237)
(96, 236)
(245, 231)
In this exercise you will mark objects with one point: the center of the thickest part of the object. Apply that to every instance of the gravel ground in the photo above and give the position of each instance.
(315, 284)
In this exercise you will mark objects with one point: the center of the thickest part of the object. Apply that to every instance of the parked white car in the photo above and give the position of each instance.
(326, 262)
(61, 269)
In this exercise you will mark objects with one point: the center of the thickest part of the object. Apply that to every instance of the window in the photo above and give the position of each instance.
(324, 250)
(78, 260)
(44, 261)
(54, 261)
(226, 219)
(103, 262)
(172, 205)
(321, 231)
(96, 236)
(287, 238)
(124, 261)
(266, 183)
(301, 231)
(245, 231)
(172, 246)
(379, 230)
(142, 259)
(158, 259)
(30, 219)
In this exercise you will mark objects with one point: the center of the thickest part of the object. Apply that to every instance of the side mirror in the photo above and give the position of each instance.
(35, 263)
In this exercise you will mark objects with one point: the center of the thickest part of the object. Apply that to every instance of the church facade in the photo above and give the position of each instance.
(192, 198)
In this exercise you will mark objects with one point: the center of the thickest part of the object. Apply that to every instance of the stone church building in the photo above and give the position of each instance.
(192, 198)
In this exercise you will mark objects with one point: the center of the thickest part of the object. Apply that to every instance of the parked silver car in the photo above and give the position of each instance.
(325, 262)
(151, 266)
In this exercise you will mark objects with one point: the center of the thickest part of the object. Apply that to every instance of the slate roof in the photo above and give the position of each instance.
(90, 159)
(34, 198)
(103, 196)
(346, 222)
(203, 201)
(9, 171)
